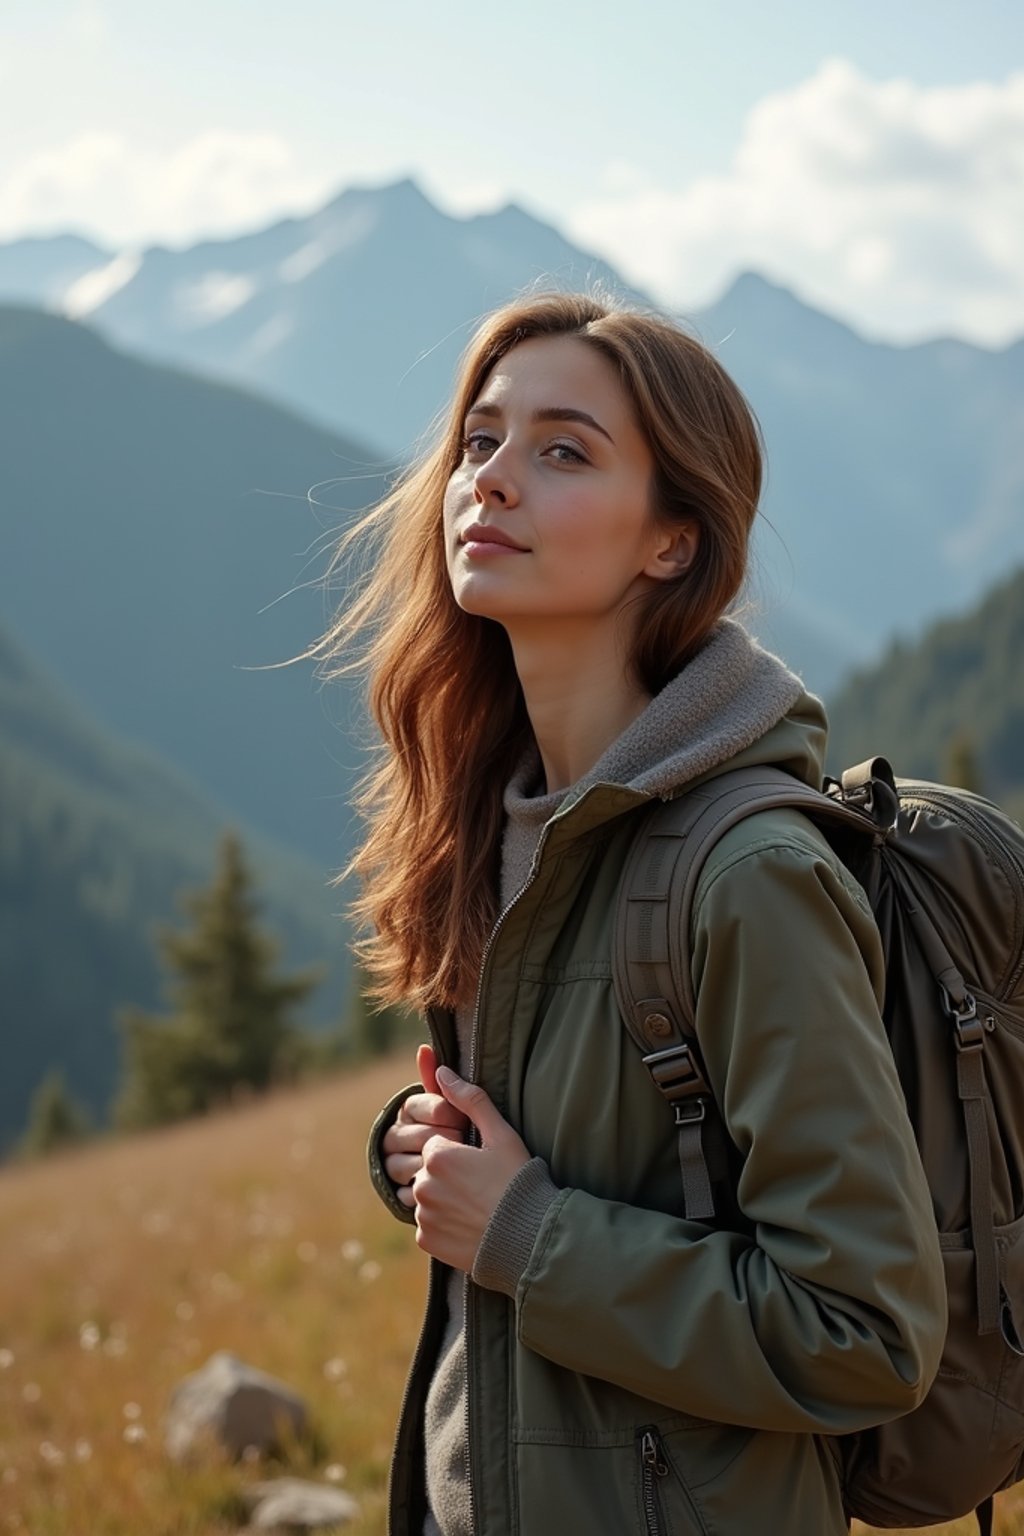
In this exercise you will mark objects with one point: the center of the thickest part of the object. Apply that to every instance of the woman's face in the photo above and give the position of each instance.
(548, 515)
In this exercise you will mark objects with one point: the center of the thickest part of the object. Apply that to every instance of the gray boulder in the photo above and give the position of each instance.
(235, 1405)
(288, 1503)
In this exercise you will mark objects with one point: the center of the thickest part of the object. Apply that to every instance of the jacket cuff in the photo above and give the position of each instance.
(509, 1236)
(375, 1155)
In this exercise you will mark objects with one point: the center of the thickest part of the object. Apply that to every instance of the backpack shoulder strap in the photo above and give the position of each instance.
(651, 947)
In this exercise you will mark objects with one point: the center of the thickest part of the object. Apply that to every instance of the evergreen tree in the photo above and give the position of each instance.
(961, 765)
(230, 1025)
(55, 1118)
(373, 1030)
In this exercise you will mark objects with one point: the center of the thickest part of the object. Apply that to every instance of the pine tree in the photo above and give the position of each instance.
(230, 1027)
(373, 1030)
(961, 766)
(55, 1119)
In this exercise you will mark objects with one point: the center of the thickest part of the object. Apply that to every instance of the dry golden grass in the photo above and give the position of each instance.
(127, 1264)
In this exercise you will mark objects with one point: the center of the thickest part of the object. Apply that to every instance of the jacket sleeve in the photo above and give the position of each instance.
(832, 1316)
(375, 1154)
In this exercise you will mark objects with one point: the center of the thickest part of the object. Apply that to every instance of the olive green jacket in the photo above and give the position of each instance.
(654, 1374)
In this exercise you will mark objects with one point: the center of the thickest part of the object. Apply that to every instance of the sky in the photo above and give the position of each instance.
(870, 156)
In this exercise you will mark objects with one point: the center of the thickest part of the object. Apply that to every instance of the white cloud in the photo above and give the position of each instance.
(214, 184)
(899, 205)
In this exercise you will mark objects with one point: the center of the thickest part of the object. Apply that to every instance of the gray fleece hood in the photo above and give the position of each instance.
(733, 703)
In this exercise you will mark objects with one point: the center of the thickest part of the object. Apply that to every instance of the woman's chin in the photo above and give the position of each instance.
(482, 600)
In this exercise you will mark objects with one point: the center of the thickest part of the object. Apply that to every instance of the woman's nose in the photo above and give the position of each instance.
(495, 482)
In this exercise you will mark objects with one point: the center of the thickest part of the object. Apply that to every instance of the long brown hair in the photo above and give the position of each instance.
(442, 684)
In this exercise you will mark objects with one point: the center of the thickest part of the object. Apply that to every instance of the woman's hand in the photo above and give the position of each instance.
(422, 1116)
(458, 1187)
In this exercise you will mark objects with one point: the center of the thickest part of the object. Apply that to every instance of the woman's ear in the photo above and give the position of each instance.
(674, 551)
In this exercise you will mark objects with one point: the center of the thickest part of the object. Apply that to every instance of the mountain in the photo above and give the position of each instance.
(896, 474)
(42, 271)
(896, 485)
(961, 684)
(354, 316)
(153, 529)
(98, 839)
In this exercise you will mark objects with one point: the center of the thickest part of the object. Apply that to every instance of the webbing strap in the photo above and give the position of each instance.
(651, 954)
(698, 1201)
(973, 1090)
(985, 1514)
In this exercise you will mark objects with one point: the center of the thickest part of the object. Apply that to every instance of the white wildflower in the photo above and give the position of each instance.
(89, 1335)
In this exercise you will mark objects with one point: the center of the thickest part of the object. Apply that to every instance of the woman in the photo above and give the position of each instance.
(550, 652)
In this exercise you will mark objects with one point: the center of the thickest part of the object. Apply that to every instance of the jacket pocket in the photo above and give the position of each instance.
(665, 1502)
(604, 1490)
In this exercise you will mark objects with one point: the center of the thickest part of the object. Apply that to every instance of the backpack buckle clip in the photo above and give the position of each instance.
(676, 1075)
(691, 1112)
(970, 1030)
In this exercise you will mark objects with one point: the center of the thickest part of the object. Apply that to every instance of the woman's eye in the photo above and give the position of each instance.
(567, 454)
(478, 442)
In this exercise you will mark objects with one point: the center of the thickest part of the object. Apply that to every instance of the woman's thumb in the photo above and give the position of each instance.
(474, 1103)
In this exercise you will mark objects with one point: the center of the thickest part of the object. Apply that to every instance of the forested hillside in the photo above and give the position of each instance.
(98, 837)
(159, 551)
(955, 694)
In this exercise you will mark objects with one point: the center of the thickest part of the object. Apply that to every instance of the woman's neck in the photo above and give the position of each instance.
(580, 696)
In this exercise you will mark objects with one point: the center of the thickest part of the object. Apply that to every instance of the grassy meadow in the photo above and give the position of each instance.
(125, 1265)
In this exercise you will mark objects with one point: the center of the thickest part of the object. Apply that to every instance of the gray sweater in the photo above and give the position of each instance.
(723, 701)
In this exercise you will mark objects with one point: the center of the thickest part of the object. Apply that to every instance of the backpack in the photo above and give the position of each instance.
(944, 873)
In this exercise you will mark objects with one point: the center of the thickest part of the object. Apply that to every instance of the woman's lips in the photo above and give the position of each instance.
(480, 539)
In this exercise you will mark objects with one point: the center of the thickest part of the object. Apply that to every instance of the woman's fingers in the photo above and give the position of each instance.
(403, 1148)
(431, 1109)
(421, 1116)
(412, 1136)
(426, 1066)
(402, 1167)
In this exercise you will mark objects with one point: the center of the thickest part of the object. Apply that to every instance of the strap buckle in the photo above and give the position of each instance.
(691, 1112)
(678, 1077)
(969, 1029)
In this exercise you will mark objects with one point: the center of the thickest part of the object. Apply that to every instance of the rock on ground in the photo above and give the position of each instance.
(236, 1404)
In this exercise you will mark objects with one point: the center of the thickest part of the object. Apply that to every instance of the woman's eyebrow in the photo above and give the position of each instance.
(545, 413)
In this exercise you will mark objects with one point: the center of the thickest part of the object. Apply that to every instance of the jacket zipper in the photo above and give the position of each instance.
(960, 811)
(473, 1141)
(470, 1076)
(420, 1351)
(531, 877)
(653, 1466)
